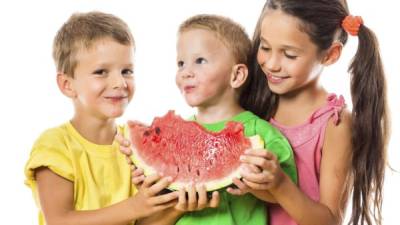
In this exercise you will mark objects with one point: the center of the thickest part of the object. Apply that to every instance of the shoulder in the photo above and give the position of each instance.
(338, 136)
(55, 136)
(54, 139)
(342, 129)
(51, 150)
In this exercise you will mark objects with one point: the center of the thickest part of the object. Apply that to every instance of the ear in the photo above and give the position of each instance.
(64, 83)
(239, 75)
(333, 53)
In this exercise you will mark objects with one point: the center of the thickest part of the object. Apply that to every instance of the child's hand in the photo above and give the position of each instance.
(125, 148)
(242, 187)
(146, 202)
(269, 173)
(196, 199)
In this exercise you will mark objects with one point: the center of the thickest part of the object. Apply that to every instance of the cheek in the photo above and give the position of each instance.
(261, 57)
(131, 87)
(178, 79)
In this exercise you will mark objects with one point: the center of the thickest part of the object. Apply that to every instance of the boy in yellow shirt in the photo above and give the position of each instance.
(75, 170)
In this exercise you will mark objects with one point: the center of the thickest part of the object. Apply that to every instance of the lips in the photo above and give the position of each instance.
(116, 98)
(188, 88)
(276, 79)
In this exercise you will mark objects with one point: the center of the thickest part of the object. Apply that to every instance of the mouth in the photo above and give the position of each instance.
(276, 79)
(188, 88)
(116, 98)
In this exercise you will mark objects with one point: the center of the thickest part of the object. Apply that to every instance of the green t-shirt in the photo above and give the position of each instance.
(245, 209)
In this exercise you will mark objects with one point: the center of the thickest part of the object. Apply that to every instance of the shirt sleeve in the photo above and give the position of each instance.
(51, 152)
(275, 142)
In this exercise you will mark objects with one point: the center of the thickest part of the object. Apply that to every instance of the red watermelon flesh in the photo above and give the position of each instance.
(187, 152)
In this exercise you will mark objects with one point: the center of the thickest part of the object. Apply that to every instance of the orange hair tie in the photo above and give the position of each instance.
(351, 24)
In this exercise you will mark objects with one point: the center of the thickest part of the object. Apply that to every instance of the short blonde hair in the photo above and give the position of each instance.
(81, 31)
(229, 32)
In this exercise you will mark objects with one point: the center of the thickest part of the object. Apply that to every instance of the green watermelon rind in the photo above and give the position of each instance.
(256, 143)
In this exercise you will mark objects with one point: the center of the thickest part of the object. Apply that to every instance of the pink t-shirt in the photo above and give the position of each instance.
(307, 140)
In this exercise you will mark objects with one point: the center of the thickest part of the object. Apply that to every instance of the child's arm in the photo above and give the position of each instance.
(56, 196)
(334, 177)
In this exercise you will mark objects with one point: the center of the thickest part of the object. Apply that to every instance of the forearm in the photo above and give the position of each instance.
(117, 214)
(301, 208)
(166, 217)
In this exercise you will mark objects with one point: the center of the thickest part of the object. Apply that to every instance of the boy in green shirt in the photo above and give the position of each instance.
(212, 58)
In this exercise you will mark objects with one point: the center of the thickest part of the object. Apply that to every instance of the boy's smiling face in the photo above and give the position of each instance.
(205, 67)
(103, 79)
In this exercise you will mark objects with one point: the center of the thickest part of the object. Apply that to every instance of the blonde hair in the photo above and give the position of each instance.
(81, 31)
(229, 32)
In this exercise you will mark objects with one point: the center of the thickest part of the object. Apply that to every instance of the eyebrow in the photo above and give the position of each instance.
(286, 47)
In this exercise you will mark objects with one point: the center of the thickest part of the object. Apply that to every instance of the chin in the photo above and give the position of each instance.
(115, 114)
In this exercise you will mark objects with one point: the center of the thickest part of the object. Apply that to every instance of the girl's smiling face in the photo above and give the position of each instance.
(287, 56)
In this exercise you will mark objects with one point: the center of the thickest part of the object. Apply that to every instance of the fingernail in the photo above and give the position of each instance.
(242, 157)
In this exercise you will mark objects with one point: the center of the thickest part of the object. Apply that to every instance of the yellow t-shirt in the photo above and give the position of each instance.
(100, 173)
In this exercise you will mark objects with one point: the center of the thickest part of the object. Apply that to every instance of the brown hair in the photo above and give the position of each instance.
(321, 20)
(81, 31)
(228, 31)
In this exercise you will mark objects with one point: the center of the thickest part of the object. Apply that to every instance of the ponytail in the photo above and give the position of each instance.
(369, 129)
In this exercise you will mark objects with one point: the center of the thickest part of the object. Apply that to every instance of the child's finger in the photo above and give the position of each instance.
(214, 202)
(126, 150)
(122, 140)
(202, 201)
(240, 185)
(192, 199)
(138, 180)
(165, 198)
(235, 191)
(263, 177)
(119, 138)
(137, 171)
(150, 180)
(128, 160)
(181, 205)
(255, 160)
(260, 152)
(159, 185)
(256, 186)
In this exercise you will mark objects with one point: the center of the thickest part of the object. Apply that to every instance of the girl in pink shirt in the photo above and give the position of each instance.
(337, 151)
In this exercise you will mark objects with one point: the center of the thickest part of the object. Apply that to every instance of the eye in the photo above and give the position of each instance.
(264, 48)
(201, 60)
(127, 72)
(101, 72)
(290, 56)
(180, 64)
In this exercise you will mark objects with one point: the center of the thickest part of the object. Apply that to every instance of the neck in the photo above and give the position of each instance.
(296, 107)
(95, 130)
(217, 113)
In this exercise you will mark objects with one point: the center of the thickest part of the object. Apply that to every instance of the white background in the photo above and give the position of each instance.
(30, 101)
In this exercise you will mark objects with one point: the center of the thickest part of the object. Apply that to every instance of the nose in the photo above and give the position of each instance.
(186, 72)
(272, 63)
(118, 81)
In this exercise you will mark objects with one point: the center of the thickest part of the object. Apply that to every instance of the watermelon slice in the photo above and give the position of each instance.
(188, 153)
